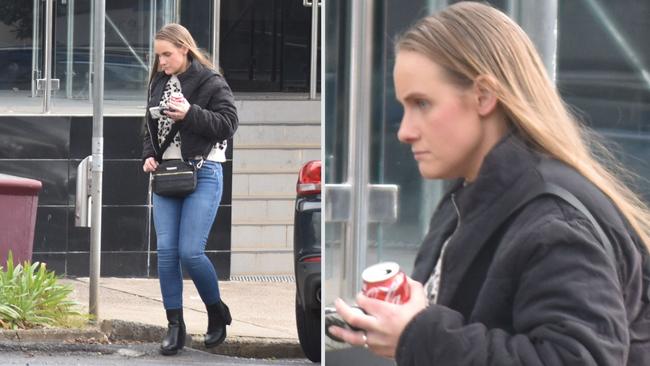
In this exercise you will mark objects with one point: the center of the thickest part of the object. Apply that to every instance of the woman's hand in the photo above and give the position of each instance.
(150, 165)
(177, 109)
(384, 323)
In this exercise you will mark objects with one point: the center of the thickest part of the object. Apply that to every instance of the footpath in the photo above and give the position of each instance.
(131, 310)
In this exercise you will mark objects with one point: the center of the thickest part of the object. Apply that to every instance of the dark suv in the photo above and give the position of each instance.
(307, 258)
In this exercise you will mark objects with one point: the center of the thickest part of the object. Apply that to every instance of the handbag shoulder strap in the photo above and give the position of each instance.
(168, 140)
(557, 191)
(484, 261)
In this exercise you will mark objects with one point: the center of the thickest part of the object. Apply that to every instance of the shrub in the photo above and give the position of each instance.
(30, 297)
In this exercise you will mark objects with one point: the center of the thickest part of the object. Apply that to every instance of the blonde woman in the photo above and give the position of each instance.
(493, 284)
(194, 116)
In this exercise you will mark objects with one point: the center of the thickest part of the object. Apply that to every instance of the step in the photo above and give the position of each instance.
(259, 261)
(273, 158)
(264, 183)
(275, 134)
(279, 146)
(263, 222)
(283, 111)
(262, 237)
(260, 207)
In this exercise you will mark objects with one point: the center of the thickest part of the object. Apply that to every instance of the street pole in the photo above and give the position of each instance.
(47, 63)
(98, 156)
(539, 20)
(216, 33)
(359, 112)
(313, 74)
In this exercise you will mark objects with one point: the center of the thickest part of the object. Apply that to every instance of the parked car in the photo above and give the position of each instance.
(307, 258)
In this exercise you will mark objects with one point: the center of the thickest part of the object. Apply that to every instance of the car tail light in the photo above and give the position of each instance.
(315, 259)
(309, 178)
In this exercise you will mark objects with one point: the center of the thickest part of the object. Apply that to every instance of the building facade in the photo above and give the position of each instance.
(264, 50)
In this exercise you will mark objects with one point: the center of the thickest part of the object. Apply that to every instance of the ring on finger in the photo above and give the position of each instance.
(365, 340)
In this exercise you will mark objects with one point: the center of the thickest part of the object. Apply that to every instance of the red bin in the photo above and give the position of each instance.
(18, 202)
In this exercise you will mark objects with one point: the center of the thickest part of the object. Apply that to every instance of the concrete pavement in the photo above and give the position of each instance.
(131, 309)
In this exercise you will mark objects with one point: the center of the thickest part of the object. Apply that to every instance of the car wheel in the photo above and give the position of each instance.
(308, 322)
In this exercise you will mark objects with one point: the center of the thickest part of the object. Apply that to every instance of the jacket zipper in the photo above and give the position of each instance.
(444, 246)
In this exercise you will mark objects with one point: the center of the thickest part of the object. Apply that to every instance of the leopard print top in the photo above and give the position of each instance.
(164, 122)
(218, 153)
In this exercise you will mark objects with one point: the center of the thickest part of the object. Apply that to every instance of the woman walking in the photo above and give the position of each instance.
(192, 114)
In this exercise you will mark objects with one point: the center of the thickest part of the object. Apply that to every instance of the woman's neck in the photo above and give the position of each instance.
(184, 68)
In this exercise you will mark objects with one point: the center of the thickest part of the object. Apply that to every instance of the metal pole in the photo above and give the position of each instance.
(359, 126)
(91, 51)
(314, 49)
(69, 50)
(216, 32)
(437, 5)
(35, 47)
(153, 14)
(539, 20)
(98, 156)
(47, 91)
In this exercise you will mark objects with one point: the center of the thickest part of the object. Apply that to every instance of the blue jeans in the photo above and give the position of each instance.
(182, 228)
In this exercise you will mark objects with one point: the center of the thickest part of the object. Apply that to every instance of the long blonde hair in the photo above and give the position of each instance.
(469, 39)
(179, 36)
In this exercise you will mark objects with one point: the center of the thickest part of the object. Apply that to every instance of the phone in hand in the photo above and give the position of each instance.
(333, 318)
(156, 112)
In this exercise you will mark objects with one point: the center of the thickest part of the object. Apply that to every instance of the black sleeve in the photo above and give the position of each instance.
(147, 148)
(568, 310)
(218, 121)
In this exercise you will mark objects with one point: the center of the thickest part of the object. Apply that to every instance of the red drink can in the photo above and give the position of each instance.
(385, 281)
(176, 97)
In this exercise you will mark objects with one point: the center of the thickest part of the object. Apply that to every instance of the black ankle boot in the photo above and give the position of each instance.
(218, 318)
(175, 337)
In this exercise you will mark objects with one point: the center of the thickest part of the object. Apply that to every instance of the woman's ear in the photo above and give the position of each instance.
(485, 93)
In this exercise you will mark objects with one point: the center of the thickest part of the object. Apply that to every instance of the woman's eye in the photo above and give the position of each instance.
(422, 104)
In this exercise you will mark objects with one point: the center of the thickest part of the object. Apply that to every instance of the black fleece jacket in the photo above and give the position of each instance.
(211, 118)
(549, 295)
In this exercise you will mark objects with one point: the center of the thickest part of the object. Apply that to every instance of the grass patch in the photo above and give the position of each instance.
(30, 297)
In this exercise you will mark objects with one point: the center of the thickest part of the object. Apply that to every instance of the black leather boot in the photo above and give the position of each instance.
(218, 318)
(175, 337)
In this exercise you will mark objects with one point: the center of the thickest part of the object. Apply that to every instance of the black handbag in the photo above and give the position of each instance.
(174, 178)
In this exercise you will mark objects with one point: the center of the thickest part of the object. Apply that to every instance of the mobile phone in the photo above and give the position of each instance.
(333, 318)
(156, 112)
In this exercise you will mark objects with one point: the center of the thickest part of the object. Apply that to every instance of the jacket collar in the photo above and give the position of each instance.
(505, 174)
(501, 169)
(192, 78)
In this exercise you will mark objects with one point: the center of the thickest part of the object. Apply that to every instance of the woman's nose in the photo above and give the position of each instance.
(406, 133)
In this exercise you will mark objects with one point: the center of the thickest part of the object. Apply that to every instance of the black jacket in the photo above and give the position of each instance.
(211, 118)
(549, 295)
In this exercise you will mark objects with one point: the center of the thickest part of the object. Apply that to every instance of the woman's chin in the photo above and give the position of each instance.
(428, 173)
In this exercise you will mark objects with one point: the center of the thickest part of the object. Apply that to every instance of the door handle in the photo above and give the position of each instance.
(382, 202)
(307, 3)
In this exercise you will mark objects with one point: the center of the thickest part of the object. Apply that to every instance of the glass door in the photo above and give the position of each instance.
(377, 205)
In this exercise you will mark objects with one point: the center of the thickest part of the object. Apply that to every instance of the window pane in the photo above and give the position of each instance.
(265, 45)
(17, 37)
(604, 71)
(127, 55)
